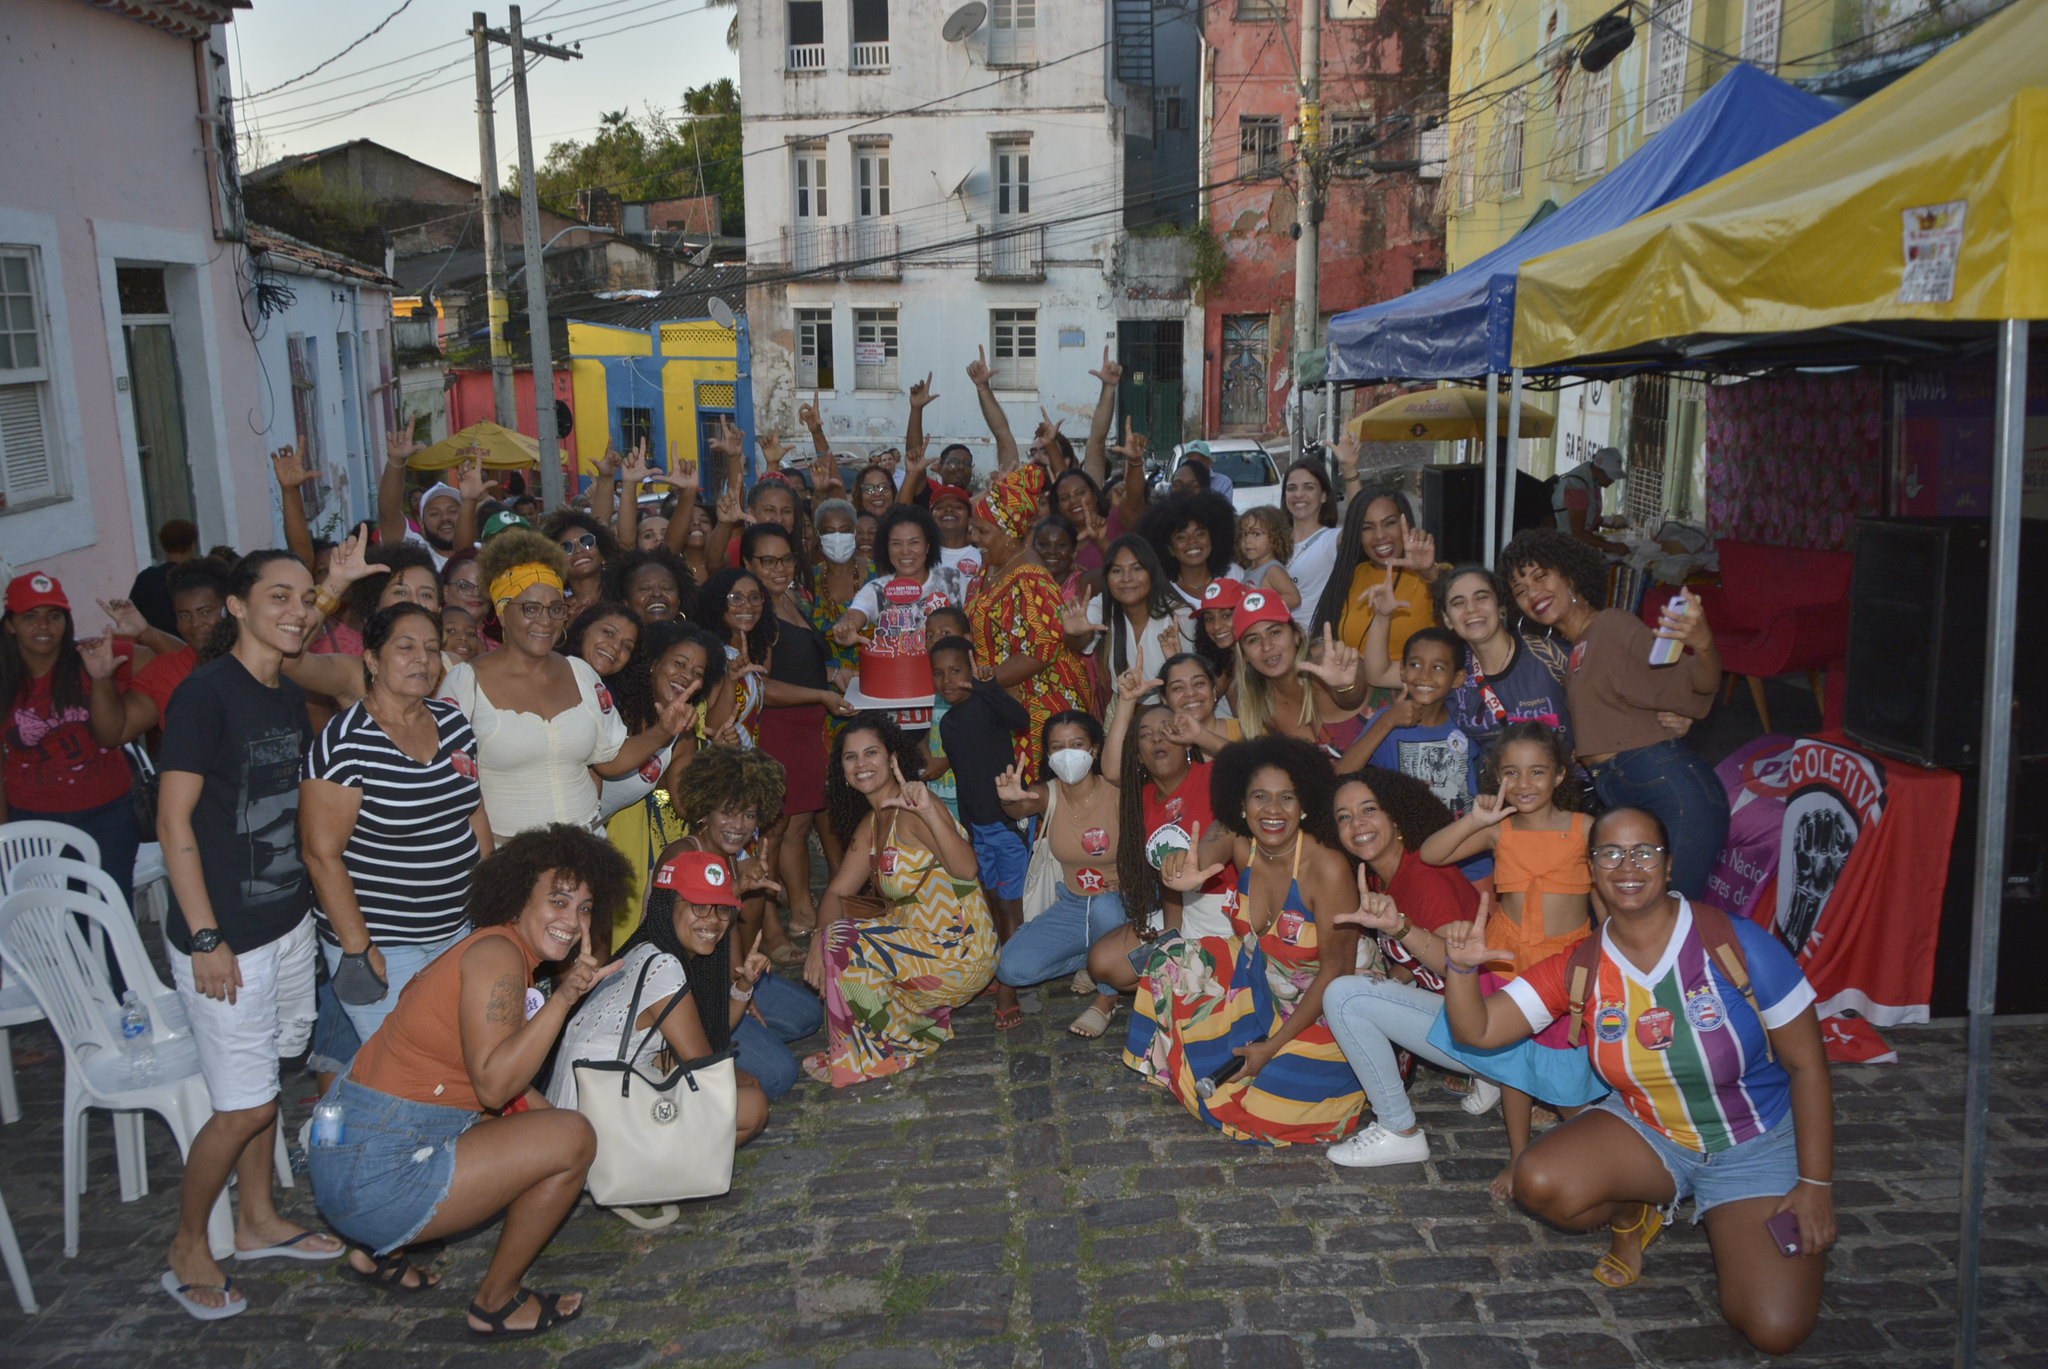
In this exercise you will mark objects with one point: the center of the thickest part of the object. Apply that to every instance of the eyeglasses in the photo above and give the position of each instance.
(742, 599)
(775, 562)
(533, 613)
(573, 545)
(869, 487)
(466, 586)
(1638, 857)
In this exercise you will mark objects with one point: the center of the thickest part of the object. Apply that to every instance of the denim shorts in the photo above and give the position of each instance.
(1003, 858)
(393, 1169)
(1766, 1166)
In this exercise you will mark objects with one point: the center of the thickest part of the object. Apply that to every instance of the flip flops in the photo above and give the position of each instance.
(197, 1310)
(293, 1249)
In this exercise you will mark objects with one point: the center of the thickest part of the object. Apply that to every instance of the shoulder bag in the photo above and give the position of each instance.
(1042, 875)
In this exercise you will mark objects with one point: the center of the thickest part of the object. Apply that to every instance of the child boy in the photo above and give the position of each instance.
(978, 733)
(938, 775)
(1414, 734)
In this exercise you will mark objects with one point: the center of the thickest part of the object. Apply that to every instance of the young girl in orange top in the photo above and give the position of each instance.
(1541, 879)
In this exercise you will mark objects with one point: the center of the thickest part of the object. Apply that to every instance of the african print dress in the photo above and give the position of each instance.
(891, 983)
(1201, 998)
(825, 615)
(1019, 613)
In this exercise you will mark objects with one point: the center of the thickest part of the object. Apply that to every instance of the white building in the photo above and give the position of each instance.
(913, 200)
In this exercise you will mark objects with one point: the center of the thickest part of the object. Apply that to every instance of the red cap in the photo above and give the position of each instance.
(699, 877)
(1223, 593)
(35, 590)
(1258, 607)
(940, 490)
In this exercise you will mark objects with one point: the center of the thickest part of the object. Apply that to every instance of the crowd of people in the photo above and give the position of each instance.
(484, 788)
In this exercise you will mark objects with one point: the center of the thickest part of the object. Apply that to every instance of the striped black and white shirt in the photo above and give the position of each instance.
(413, 849)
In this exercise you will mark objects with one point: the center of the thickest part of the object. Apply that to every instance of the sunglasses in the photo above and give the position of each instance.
(576, 544)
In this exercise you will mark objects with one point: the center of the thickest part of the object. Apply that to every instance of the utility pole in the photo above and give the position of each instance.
(1308, 207)
(551, 491)
(504, 397)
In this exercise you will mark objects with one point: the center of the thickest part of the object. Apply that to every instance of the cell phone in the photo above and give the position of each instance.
(1665, 650)
(1784, 1229)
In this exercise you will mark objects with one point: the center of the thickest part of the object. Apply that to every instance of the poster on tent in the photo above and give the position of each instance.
(1844, 857)
(1948, 425)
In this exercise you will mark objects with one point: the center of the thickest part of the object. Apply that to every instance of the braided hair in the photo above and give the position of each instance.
(1143, 894)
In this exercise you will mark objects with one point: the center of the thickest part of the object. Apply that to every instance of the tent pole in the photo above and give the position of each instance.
(2003, 599)
(1487, 543)
(1507, 513)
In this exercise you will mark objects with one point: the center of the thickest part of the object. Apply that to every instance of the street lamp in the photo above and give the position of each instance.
(572, 228)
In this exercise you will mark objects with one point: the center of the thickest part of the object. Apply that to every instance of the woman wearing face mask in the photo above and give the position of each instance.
(1311, 505)
(1081, 824)
(1146, 620)
(834, 582)
(1380, 544)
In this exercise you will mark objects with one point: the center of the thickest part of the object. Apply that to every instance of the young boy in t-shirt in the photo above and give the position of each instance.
(1414, 734)
(938, 775)
(978, 733)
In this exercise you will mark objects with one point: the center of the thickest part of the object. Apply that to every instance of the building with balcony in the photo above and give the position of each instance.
(914, 202)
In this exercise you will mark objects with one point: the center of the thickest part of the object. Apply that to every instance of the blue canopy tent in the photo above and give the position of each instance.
(1462, 326)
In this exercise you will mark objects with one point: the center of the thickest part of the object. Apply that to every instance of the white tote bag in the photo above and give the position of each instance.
(1042, 874)
(659, 1140)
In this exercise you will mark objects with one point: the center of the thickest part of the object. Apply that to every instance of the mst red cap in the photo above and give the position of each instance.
(35, 590)
(941, 490)
(1258, 607)
(1223, 593)
(698, 877)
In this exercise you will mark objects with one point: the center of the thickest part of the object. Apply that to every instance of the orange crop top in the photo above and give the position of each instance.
(1533, 864)
(417, 1053)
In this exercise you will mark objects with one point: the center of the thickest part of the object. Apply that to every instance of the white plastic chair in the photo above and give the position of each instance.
(17, 1271)
(21, 841)
(151, 883)
(40, 941)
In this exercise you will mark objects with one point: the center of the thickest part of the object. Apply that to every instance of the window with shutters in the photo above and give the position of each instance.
(814, 349)
(1013, 348)
(1258, 146)
(1464, 177)
(1012, 32)
(1504, 154)
(28, 442)
(871, 176)
(874, 349)
(1670, 27)
(1013, 179)
(1593, 100)
(1762, 21)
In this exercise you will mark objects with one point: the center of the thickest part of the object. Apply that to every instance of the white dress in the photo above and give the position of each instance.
(534, 770)
(593, 1033)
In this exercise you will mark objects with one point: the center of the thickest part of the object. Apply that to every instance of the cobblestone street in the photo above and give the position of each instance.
(1024, 1201)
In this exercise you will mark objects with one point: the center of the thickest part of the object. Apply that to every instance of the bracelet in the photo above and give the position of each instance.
(1407, 926)
(326, 601)
(739, 997)
(1817, 1183)
(1452, 966)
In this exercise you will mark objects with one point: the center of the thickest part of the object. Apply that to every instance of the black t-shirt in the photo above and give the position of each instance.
(245, 741)
(799, 657)
(978, 734)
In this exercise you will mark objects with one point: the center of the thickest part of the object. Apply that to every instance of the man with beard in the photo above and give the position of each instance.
(438, 510)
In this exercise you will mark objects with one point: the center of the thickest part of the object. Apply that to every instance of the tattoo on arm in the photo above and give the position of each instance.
(505, 1002)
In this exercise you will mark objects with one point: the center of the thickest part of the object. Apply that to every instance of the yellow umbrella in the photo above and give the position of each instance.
(495, 448)
(1450, 414)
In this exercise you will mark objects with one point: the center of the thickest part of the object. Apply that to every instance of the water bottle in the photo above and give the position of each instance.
(134, 1023)
(327, 1128)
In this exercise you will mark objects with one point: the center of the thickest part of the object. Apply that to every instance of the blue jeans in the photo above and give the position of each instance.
(792, 1013)
(393, 1169)
(335, 1042)
(1371, 1018)
(1671, 781)
(1056, 943)
(401, 963)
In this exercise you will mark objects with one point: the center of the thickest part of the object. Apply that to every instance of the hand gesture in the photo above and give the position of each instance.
(1404, 711)
(1074, 619)
(1380, 598)
(1689, 627)
(729, 506)
(1347, 449)
(1010, 786)
(127, 619)
(1134, 446)
(1094, 528)
(978, 371)
(1184, 728)
(677, 714)
(1133, 685)
(752, 874)
(681, 475)
(583, 975)
(727, 442)
(608, 464)
(1492, 808)
(911, 795)
(836, 703)
(825, 474)
(846, 632)
(1181, 870)
(1110, 373)
(1418, 552)
(771, 450)
(350, 562)
(1169, 639)
(97, 654)
(749, 974)
(470, 482)
(638, 468)
(984, 672)
(1376, 911)
(810, 416)
(1465, 942)
(921, 392)
(1336, 665)
(399, 447)
(915, 462)
(291, 472)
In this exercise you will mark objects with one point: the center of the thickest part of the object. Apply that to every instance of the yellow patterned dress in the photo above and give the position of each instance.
(892, 982)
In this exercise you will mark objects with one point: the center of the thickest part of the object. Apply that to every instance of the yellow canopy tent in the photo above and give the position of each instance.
(1946, 169)
(1451, 413)
(496, 448)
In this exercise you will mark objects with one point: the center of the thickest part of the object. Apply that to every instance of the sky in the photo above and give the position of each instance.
(412, 85)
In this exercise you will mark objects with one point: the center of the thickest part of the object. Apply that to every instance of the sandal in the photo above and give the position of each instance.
(550, 1316)
(1083, 983)
(1009, 1019)
(787, 956)
(819, 1066)
(389, 1275)
(1610, 1271)
(1092, 1023)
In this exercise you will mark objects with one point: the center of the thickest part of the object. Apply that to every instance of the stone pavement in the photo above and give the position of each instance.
(1023, 1200)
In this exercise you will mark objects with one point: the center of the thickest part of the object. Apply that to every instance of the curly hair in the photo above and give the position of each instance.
(618, 574)
(1209, 511)
(896, 517)
(557, 524)
(1307, 768)
(1278, 527)
(845, 805)
(1069, 717)
(729, 777)
(1570, 794)
(517, 547)
(1351, 551)
(710, 614)
(1415, 810)
(504, 882)
(632, 684)
(400, 557)
(1550, 549)
(1139, 882)
(572, 639)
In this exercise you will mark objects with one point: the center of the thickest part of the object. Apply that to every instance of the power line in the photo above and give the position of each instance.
(404, 5)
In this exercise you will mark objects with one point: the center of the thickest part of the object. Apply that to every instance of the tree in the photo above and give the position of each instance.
(696, 151)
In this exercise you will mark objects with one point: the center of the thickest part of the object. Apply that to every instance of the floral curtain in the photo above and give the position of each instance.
(1793, 461)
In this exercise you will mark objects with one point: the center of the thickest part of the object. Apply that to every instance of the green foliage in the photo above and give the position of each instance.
(1206, 271)
(695, 151)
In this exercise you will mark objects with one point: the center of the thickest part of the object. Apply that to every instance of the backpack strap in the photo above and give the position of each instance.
(1582, 971)
(1717, 935)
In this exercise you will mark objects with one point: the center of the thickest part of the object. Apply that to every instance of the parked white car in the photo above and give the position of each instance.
(1253, 474)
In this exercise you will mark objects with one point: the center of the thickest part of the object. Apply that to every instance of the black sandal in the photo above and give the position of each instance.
(389, 1275)
(549, 1317)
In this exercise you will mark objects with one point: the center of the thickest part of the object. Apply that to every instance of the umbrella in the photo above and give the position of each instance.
(494, 448)
(1449, 414)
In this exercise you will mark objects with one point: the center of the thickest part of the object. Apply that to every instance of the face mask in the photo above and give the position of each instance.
(1072, 764)
(838, 546)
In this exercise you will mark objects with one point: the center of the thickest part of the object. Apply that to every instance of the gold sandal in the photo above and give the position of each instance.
(1609, 1271)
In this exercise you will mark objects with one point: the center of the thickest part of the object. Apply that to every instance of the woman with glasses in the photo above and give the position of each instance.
(587, 547)
(547, 729)
(1705, 1028)
(733, 605)
(874, 490)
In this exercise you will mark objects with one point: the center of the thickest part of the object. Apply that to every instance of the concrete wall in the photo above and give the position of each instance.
(348, 327)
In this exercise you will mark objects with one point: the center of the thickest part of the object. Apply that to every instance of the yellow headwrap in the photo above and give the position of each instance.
(518, 579)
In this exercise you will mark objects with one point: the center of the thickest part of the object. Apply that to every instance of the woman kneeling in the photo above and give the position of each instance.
(427, 1147)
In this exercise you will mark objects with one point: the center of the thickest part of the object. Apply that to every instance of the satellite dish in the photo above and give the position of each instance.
(721, 313)
(964, 21)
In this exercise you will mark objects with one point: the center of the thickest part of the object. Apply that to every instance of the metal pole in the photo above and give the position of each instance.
(1487, 545)
(1308, 204)
(505, 405)
(1507, 512)
(2003, 599)
(541, 343)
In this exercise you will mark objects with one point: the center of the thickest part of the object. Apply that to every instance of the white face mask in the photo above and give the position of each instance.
(1072, 764)
(838, 546)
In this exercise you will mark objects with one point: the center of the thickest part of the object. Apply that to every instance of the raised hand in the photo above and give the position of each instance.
(915, 461)
(1405, 711)
(1375, 911)
(1491, 808)
(1380, 598)
(978, 371)
(97, 655)
(749, 974)
(1418, 552)
(810, 416)
(771, 450)
(127, 619)
(1094, 527)
(752, 875)
(727, 442)
(350, 561)
(638, 468)
(680, 475)
(1336, 665)
(911, 795)
(825, 474)
(1074, 619)
(921, 392)
(1010, 786)
(470, 482)
(1184, 728)
(1134, 446)
(984, 672)
(1465, 942)
(399, 447)
(1133, 685)
(1347, 449)
(291, 472)
(1111, 371)
(677, 714)
(1182, 870)
(583, 974)
(729, 510)
(1689, 627)
(1169, 639)
(608, 464)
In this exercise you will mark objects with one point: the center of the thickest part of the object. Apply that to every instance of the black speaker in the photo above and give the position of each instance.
(1454, 511)
(1917, 606)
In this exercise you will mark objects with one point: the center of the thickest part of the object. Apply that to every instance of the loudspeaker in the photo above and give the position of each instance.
(1917, 606)
(1454, 511)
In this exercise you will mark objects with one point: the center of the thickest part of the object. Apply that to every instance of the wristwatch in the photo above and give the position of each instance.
(205, 939)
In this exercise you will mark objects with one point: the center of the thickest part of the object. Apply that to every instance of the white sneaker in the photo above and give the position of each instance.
(1377, 1146)
(1481, 1100)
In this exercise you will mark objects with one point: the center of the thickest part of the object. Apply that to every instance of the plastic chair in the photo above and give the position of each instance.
(40, 941)
(152, 884)
(21, 841)
(17, 1271)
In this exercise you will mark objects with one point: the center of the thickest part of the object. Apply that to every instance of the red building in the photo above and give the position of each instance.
(1384, 73)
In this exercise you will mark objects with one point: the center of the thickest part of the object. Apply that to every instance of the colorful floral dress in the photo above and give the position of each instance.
(1019, 612)
(891, 983)
(825, 615)
(1201, 998)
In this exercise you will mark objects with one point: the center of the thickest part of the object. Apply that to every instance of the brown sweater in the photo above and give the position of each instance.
(1615, 693)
